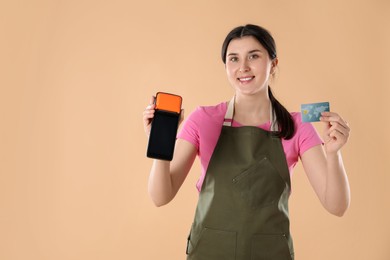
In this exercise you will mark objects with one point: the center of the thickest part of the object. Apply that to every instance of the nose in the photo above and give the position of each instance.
(244, 66)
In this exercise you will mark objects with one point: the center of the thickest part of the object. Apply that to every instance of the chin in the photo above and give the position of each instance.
(249, 92)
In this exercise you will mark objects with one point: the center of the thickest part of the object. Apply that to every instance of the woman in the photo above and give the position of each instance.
(248, 148)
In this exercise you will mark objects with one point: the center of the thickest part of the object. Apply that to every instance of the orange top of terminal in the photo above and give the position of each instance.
(168, 102)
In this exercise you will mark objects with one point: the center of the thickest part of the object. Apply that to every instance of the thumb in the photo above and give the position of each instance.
(181, 116)
(151, 101)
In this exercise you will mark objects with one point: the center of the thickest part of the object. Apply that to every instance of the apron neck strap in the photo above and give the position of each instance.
(230, 113)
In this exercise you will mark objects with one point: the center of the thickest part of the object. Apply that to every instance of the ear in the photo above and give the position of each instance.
(274, 64)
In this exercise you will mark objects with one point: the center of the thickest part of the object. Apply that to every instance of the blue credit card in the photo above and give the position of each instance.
(312, 112)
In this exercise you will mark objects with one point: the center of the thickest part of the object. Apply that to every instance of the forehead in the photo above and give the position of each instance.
(244, 44)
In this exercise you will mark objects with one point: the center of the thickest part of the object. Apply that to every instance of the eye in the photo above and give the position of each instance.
(253, 56)
(233, 59)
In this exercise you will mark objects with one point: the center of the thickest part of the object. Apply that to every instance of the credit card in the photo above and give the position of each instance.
(312, 112)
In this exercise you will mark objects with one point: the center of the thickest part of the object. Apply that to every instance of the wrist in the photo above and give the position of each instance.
(330, 151)
(333, 156)
(161, 162)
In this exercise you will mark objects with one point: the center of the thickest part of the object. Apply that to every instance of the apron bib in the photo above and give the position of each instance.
(242, 212)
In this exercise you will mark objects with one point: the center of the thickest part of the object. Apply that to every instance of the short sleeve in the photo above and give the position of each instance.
(308, 137)
(190, 128)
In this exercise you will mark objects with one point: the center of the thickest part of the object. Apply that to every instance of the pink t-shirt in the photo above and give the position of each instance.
(203, 127)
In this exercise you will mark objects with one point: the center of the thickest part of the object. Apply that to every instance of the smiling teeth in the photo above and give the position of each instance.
(246, 79)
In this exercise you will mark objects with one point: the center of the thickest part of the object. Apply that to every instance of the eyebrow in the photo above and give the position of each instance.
(252, 51)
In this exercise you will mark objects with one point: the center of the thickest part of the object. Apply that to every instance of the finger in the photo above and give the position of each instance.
(344, 129)
(328, 116)
(337, 136)
(150, 107)
(328, 113)
(181, 116)
(340, 125)
(331, 139)
(149, 113)
(152, 99)
(336, 130)
(333, 118)
(148, 116)
(331, 114)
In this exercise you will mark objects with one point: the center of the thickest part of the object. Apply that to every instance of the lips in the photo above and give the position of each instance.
(245, 79)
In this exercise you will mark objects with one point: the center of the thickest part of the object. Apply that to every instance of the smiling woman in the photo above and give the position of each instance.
(248, 148)
(248, 65)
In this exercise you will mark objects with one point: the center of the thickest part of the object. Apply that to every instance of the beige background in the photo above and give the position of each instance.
(76, 76)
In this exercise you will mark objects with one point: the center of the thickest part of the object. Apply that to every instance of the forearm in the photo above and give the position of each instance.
(160, 183)
(166, 177)
(337, 191)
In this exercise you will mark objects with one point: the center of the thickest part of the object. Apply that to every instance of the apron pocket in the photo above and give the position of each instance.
(270, 247)
(260, 185)
(213, 244)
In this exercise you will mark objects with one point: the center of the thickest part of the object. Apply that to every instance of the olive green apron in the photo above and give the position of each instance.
(242, 213)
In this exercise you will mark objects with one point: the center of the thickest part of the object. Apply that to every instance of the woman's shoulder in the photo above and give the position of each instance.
(301, 128)
(214, 111)
(204, 120)
(297, 118)
(218, 108)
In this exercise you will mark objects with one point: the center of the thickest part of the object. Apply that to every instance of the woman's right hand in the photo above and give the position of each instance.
(148, 116)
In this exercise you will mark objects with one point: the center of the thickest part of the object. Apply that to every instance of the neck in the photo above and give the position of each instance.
(252, 109)
(252, 104)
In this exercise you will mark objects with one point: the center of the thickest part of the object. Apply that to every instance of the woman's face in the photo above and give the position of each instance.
(248, 66)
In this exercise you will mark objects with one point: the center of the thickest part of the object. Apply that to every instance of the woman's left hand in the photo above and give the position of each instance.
(336, 133)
